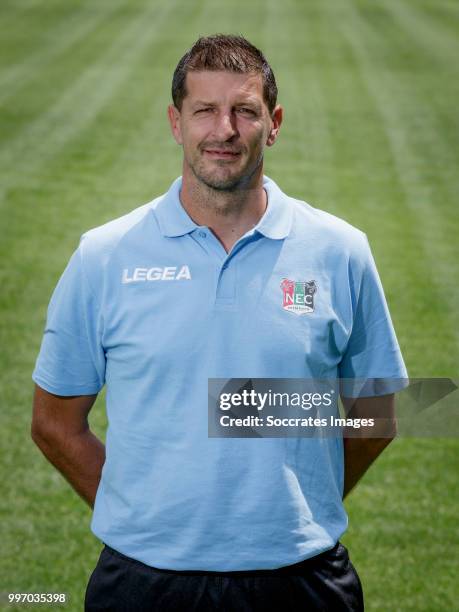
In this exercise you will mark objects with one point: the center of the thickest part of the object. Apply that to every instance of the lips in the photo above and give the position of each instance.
(222, 153)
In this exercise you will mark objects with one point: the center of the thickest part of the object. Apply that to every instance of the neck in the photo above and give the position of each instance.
(229, 214)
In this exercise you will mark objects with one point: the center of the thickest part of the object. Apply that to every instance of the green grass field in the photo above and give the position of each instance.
(370, 134)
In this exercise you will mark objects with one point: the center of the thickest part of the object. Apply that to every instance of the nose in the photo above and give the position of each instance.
(225, 126)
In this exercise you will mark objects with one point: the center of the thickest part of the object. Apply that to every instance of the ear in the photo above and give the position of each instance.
(173, 115)
(276, 119)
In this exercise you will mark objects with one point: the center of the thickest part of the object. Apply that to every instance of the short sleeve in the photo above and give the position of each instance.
(71, 360)
(372, 357)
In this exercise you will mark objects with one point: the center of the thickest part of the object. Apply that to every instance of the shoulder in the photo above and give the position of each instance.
(99, 243)
(99, 246)
(327, 232)
(323, 224)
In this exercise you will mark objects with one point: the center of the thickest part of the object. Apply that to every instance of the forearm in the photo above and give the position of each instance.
(359, 454)
(79, 458)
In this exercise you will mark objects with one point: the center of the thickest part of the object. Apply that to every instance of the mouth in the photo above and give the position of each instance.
(222, 154)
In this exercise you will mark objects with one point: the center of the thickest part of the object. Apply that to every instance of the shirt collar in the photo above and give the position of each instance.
(172, 217)
(277, 219)
(174, 221)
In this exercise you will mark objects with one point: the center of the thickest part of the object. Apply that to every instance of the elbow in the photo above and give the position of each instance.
(384, 442)
(38, 433)
(42, 434)
(380, 437)
(392, 430)
(48, 441)
(385, 430)
(380, 443)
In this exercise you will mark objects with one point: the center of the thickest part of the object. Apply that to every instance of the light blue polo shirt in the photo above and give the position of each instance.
(151, 305)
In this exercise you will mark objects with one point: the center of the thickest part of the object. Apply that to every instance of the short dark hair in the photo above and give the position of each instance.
(224, 52)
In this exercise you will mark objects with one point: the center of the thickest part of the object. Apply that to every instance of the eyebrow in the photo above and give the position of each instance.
(203, 103)
(254, 105)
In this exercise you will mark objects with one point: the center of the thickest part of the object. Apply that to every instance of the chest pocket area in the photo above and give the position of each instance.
(296, 321)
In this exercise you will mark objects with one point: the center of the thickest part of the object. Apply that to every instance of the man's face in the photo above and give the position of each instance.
(224, 125)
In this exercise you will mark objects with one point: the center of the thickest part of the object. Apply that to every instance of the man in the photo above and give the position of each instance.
(187, 288)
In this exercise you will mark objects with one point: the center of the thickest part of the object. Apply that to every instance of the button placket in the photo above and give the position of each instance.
(226, 290)
(226, 284)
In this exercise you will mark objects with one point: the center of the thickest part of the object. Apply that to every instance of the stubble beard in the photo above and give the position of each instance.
(217, 182)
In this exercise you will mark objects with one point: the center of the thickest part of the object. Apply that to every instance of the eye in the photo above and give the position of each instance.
(245, 111)
(203, 110)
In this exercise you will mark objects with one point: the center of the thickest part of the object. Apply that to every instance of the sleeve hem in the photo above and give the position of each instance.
(63, 389)
(372, 387)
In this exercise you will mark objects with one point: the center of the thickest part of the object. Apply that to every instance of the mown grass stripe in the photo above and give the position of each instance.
(370, 196)
(305, 135)
(47, 135)
(427, 34)
(68, 32)
(432, 91)
(418, 195)
(13, 13)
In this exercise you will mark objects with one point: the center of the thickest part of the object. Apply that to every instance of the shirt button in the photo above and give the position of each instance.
(202, 234)
(225, 267)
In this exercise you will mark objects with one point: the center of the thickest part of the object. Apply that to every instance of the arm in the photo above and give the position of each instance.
(60, 430)
(361, 451)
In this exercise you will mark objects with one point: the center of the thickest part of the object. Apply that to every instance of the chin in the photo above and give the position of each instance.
(220, 181)
(229, 184)
(223, 181)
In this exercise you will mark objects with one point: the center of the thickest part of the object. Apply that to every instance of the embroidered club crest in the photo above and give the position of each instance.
(298, 296)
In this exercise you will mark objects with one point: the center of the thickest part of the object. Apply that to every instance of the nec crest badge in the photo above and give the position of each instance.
(298, 296)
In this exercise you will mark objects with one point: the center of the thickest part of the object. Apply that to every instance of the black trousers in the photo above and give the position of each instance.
(327, 582)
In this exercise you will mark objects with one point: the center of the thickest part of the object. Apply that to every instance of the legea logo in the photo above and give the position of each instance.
(169, 273)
